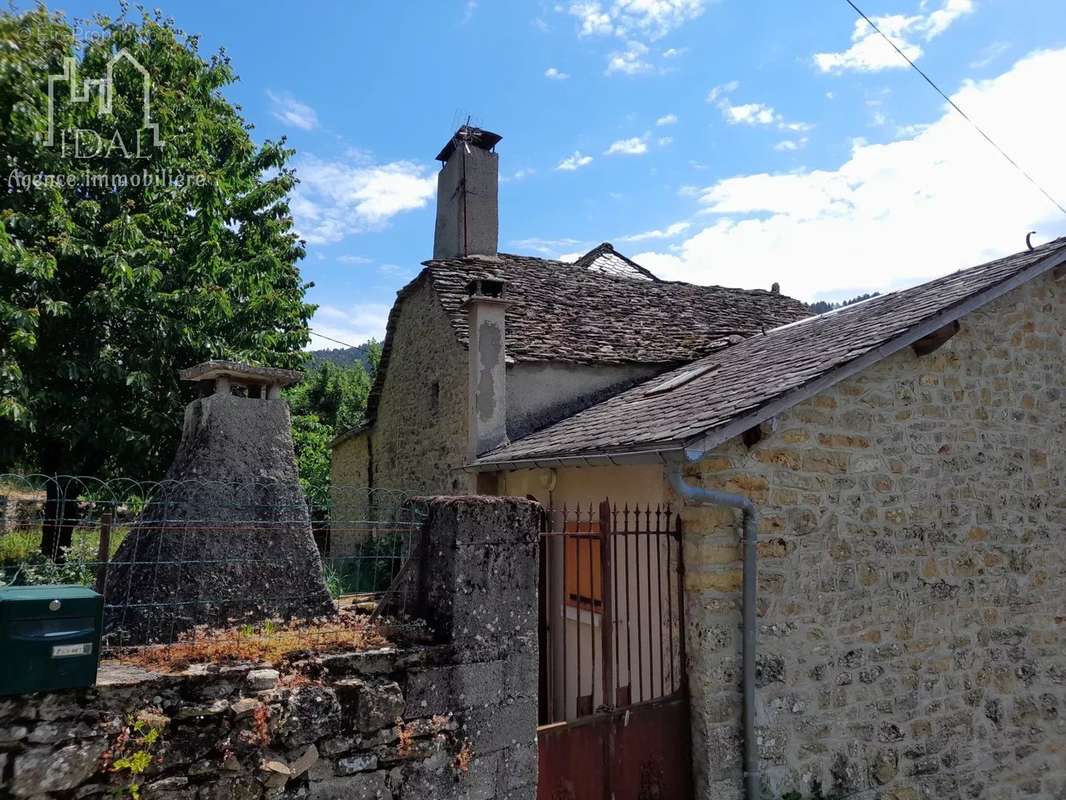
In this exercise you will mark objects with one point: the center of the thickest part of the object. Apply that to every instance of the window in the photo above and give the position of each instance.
(583, 566)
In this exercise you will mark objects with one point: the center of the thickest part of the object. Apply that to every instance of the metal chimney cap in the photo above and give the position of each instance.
(485, 140)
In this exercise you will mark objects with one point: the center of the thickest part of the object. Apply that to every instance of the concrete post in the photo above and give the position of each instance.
(477, 588)
(488, 373)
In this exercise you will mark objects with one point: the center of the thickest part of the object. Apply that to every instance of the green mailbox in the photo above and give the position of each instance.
(49, 637)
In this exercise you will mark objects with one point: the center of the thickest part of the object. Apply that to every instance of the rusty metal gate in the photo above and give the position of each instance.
(614, 715)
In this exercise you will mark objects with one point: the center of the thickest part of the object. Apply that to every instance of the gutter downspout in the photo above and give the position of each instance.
(698, 496)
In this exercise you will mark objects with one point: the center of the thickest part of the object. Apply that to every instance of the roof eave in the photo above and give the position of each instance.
(661, 453)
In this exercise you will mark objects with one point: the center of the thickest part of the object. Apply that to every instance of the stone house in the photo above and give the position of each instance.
(485, 347)
(872, 503)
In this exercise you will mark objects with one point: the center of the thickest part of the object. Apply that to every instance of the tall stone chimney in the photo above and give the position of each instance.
(486, 309)
(468, 207)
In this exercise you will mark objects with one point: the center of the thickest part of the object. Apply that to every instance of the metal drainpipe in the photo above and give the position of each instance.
(698, 496)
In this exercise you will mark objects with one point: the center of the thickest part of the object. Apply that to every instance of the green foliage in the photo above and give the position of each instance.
(371, 571)
(136, 746)
(336, 396)
(328, 401)
(21, 559)
(107, 288)
(311, 441)
(78, 566)
(346, 356)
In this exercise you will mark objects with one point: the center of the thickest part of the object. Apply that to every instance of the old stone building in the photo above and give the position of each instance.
(872, 592)
(906, 460)
(484, 347)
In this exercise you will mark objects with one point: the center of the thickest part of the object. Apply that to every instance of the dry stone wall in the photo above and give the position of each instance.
(453, 718)
(912, 579)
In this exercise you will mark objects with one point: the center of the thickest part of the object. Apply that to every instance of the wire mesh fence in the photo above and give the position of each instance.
(242, 568)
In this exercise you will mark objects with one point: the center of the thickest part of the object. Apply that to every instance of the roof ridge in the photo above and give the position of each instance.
(490, 261)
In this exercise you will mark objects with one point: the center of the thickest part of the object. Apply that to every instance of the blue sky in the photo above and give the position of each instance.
(737, 142)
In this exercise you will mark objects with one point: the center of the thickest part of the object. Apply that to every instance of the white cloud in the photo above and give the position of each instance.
(519, 174)
(335, 199)
(574, 162)
(546, 247)
(721, 90)
(347, 259)
(469, 10)
(636, 146)
(666, 119)
(353, 325)
(555, 74)
(676, 229)
(674, 52)
(652, 19)
(292, 112)
(750, 114)
(990, 54)
(594, 20)
(870, 53)
(892, 214)
(665, 141)
(788, 145)
(630, 61)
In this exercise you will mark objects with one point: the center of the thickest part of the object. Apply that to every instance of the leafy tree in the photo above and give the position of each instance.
(109, 284)
(336, 396)
(330, 400)
(311, 440)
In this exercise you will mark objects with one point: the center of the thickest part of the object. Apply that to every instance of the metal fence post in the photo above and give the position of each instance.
(103, 552)
(607, 620)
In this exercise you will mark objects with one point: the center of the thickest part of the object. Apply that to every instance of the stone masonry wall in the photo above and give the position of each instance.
(452, 719)
(912, 579)
(419, 440)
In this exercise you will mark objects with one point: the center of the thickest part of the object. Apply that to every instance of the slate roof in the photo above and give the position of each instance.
(604, 258)
(732, 385)
(565, 312)
(238, 369)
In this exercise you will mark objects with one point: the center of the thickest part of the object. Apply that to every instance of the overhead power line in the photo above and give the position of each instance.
(329, 338)
(955, 105)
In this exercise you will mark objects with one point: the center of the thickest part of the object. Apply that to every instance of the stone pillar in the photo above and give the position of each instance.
(477, 588)
(488, 372)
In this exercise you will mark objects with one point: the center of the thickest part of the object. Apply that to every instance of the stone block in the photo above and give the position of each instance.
(449, 689)
(369, 705)
(260, 679)
(499, 727)
(311, 713)
(364, 786)
(363, 762)
(44, 770)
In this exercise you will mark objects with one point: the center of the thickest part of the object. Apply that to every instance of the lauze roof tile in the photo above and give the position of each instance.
(745, 377)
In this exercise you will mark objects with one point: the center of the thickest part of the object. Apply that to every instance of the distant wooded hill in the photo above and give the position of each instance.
(824, 305)
(343, 356)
